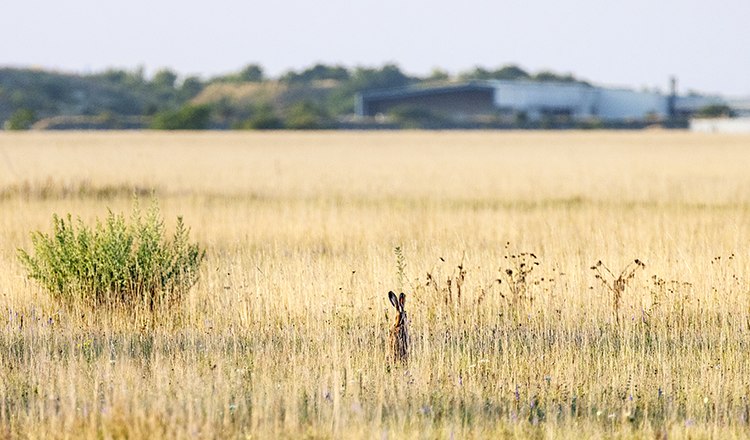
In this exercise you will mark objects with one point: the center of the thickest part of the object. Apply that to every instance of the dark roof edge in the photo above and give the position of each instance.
(401, 92)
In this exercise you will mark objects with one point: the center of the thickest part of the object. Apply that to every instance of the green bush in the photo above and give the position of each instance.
(116, 262)
(715, 111)
(306, 115)
(264, 122)
(262, 117)
(189, 117)
(22, 119)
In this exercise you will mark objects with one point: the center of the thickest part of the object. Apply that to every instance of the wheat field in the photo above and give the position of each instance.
(516, 328)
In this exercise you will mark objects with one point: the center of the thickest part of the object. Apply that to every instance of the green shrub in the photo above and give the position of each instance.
(22, 119)
(715, 111)
(306, 115)
(262, 117)
(189, 117)
(116, 262)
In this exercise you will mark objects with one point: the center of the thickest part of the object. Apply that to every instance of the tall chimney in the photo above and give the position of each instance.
(672, 99)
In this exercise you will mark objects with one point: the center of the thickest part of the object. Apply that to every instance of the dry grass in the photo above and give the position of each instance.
(286, 334)
(279, 94)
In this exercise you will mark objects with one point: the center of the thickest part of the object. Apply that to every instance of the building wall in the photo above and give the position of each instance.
(578, 100)
(539, 98)
(457, 104)
(621, 104)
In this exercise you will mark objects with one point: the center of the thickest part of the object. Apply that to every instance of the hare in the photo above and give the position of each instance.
(400, 330)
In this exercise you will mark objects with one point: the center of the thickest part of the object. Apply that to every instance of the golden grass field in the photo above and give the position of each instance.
(286, 333)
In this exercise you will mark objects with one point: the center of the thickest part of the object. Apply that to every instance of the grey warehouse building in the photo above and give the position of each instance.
(534, 99)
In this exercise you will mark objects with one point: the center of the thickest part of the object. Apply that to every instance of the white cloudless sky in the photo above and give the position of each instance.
(633, 43)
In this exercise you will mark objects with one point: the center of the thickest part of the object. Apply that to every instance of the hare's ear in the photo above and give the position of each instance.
(402, 300)
(392, 297)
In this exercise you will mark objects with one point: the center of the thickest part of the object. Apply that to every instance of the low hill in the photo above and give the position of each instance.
(280, 95)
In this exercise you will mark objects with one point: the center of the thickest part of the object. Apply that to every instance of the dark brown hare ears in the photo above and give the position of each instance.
(392, 297)
(399, 302)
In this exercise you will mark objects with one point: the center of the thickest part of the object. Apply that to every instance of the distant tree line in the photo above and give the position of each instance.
(513, 72)
(27, 95)
(317, 97)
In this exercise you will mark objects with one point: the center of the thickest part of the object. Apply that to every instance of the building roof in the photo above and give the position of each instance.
(413, 91)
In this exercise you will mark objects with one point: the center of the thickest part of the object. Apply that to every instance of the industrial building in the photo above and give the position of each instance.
(535, 100)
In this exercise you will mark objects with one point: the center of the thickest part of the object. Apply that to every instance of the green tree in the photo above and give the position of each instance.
(190, 87)
(479, 73)
(514, 72)
(507, 72)
(386, 77)
(715, 111)
(306, 115)
(164, 78)
(251, 73)
(123, 77)
(438, 74)
(546, 75)
(22, 119)
(189, 117)
(262, 117)
(511, 71)
(317, 72)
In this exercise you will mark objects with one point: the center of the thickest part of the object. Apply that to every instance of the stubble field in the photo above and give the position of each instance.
(286, 332)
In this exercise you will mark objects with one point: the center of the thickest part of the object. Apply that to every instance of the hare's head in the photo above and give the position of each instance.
(398, 303)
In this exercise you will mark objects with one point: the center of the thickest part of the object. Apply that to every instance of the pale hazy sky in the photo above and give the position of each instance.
(633, 43)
